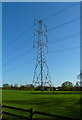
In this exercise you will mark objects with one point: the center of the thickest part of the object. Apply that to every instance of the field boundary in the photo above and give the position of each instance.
(32, 112)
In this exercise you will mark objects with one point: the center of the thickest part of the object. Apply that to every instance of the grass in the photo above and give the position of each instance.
(0, 96)
(65, 103)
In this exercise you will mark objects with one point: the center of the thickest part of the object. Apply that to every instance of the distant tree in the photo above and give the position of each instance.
(37, 88)
(77, 84)
(6, 85)
(67, 85)
(15, 86)
(29, 86)
(11, 86)
(80, 76)
(22, 87)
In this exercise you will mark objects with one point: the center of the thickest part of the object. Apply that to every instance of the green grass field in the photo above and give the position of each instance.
(0, 96)
(65, 103)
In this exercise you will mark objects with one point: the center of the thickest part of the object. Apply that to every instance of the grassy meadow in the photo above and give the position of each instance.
(65, 103)
(0, 96)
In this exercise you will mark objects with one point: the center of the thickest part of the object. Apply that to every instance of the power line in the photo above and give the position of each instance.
(18, 66)
(64, 38)
(21, 45)
(17, 38)
(48, 30)
(63, 24)
(48, 52)
(67, 37)
(17, 57)
(60, 11)
(28, 29)
(64, 49)
(49, 42)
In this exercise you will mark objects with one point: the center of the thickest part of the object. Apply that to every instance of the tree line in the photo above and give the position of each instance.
(66, 86)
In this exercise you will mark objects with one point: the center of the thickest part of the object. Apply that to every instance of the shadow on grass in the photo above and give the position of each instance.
(52, 92)
(40, 101)
(11, 118)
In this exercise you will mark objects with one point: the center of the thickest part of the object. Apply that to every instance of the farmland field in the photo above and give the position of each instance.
(65, 103)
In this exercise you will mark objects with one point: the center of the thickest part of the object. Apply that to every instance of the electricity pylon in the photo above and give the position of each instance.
(41, 72)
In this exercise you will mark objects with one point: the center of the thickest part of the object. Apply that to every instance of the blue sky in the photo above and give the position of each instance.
(0, 44)
(19, 62)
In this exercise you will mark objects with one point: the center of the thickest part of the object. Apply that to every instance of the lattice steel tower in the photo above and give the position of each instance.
(41, 73)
